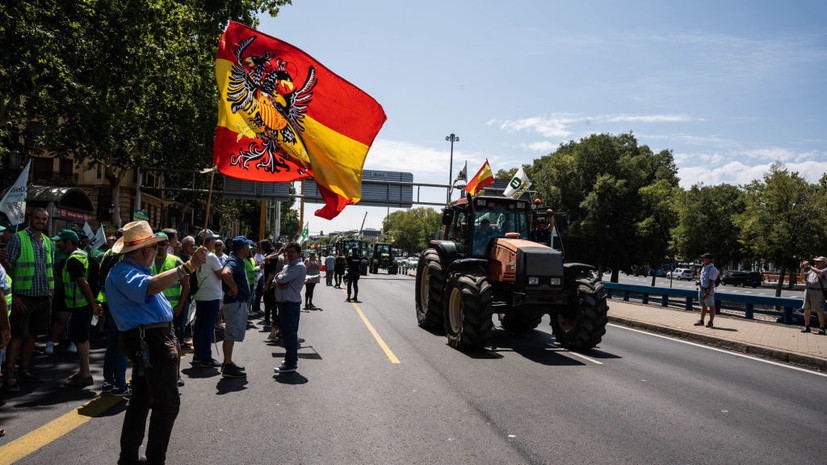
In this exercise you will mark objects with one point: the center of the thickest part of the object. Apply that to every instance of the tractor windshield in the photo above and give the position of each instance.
(383, 249)
(496, 222)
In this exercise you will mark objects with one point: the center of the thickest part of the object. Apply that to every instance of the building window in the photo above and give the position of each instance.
(66, 168)
(44, 168)
(100, 171)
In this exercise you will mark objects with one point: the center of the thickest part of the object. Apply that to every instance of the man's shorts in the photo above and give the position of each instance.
(235, 321)
(34, 320)
(80, 322)
(814, 300)
(706, 301)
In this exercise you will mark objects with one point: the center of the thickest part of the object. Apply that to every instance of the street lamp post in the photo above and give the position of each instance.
(452, 138)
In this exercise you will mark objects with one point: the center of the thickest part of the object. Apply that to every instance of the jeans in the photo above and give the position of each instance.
(328, 277)
(355, 283)
(156, 390)
(115, 361)
(179, 322)
(259, 287)
(308, 294)
(289, 321)
(203, 330)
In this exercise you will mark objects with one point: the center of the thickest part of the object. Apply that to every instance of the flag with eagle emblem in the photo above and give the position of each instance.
(283, 116)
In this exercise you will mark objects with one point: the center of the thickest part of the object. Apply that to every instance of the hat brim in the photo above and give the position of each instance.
(118, 246)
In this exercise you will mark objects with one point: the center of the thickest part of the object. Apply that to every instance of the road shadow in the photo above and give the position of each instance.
(199, 372)
(290, 378)
(718, 328)
(45, 398)
(534, 345)
(228, 385)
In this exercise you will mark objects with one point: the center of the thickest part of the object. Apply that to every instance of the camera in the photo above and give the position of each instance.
(807, 268)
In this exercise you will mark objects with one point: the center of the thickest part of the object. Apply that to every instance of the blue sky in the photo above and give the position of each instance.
(729, 87)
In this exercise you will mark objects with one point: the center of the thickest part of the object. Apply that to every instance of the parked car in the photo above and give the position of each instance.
(742, 278)
(681, 273)
(413, 262)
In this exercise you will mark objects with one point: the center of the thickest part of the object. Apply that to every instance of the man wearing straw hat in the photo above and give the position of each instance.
(144, 317)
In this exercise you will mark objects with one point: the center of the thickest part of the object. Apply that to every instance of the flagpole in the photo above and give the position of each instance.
(452, 138)
(209, 199)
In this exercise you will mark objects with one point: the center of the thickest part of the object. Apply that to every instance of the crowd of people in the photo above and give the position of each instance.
(155, 296)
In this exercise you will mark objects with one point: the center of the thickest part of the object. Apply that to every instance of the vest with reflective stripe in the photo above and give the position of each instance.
(24, 268)
(7, 292)
(102, 282)
(172, 293)
(74, 297)
(250, 267)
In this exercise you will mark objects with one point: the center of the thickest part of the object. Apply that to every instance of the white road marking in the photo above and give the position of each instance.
(584, 357)
(791, 367)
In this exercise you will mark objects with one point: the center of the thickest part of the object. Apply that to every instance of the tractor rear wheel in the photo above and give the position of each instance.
(468, 312)
(582, 324)
(429, 290)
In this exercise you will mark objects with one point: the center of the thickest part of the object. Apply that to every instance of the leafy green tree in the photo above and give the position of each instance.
(616, 194)
(125, 84)
(708, 223)
(412, 230)
(784, 219)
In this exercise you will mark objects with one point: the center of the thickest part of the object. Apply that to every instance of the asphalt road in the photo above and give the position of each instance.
(374, 388)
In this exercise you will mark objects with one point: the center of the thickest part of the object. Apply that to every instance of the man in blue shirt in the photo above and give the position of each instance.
(706, 292)
(236, 300)
(144, 318)
(288, 292)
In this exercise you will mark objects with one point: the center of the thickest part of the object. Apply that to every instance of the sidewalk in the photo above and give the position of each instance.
(769, 340)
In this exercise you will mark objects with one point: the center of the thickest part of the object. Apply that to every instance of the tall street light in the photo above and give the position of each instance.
(452, 138)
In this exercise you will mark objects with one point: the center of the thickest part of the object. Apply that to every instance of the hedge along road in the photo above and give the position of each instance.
(525, 401)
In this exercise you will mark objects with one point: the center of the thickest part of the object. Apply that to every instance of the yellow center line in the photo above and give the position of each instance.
(376, 336)
(25, 445)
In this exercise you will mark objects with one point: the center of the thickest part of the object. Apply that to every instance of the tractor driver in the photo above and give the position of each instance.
(481, 236)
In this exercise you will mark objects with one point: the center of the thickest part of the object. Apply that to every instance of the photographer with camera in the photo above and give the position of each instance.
(815, 293)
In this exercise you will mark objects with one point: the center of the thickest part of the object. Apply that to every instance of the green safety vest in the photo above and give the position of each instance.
(102, 283)
(250, 267)
(7, 293)
(24, 268)
(74, 297)
(172, 293)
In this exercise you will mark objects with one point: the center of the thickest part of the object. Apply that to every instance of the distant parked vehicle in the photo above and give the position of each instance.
(742, 278)
(413, 262)
(680, 273)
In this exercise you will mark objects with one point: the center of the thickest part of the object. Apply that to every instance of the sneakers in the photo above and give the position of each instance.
(806, 329)
(284, 368)
(699, 323)
(125, 391)
(107, 386)
(73, 349)
(77, 381)
(822, 331)
(50, 348)
(709, 325)
(180, 381)
(231, 370)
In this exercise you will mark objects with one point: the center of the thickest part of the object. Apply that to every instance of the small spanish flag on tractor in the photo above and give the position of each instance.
(283, 116)
(483, 178)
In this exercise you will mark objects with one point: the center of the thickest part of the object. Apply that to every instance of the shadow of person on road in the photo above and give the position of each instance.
(227, 385)
(199, 372)
(718, 328)
(289, 378)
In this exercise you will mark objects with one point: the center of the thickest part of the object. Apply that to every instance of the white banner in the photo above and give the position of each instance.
(87, 231)
(14, 202)
(305, 233)
(99, 240)
(518, 184)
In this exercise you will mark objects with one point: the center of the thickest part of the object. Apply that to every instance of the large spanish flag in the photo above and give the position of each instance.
(283, 116)
(483, 178)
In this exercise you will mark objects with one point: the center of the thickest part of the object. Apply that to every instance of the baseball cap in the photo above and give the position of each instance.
(707, 255)
(210, 235)
(66, 235)
(239, 241)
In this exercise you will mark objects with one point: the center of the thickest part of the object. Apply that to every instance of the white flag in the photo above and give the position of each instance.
(518, 184)
(100, 239)
(87, 231)
(14, 202)
(463, 173)
(304, 233)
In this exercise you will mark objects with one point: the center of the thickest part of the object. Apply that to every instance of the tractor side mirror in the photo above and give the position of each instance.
(447, 217)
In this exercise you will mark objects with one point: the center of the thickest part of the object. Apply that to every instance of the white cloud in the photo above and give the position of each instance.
(543, 147)
(558, 126)
(740, 172)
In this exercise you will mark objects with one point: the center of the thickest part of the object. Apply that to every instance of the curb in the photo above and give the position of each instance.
(806, 361)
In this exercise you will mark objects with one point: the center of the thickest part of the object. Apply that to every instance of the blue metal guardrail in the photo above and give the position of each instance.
(749, 300)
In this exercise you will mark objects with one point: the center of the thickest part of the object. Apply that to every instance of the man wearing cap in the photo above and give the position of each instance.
(288, 293)
(236, 300)
(144, 317)
(30, 257)
(816, 291)
(80, 286)
(706, 291)
(207, 304)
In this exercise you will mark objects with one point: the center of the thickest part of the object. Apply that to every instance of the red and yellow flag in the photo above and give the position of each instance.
(483, 178)
(283, 116)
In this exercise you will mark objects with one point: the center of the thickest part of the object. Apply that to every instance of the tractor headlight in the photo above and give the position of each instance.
(533, 281)
(555, 281)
